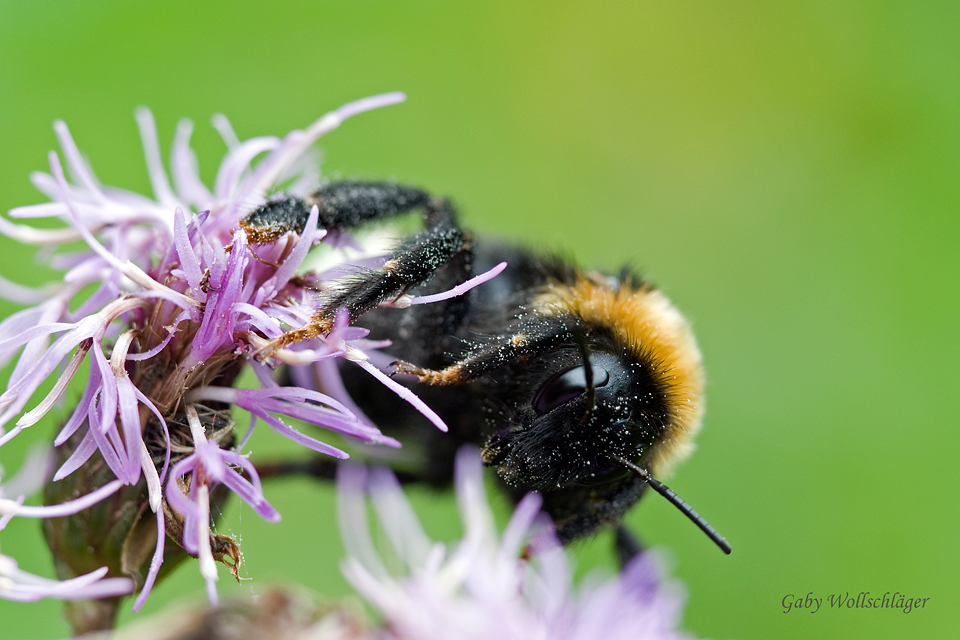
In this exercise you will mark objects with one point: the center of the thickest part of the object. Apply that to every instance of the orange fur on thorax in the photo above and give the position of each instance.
(650, 329)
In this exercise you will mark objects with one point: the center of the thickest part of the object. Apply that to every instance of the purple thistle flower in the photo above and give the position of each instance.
(180, 304)
(480, 588)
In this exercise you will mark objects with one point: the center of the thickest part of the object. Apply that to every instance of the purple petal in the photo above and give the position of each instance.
(404, 393)
(163, 425)
(252, 496)
(352, 517)
(78, 167)
(188, 257)
(131, 426)
(107, 449)
(299, 438)
(155, 563)
(80, 455)
(462, 288)
(293, 262)
(237, 161)
(405, 533)
(183, 168)
(151, 150)
(71, 506)
(519, 526)
(173, 493)
(82, 409)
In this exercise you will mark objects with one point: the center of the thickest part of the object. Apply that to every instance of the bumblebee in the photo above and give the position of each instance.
(579, 385)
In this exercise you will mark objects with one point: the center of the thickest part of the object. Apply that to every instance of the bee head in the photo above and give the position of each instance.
(573, 418)
(628, 385)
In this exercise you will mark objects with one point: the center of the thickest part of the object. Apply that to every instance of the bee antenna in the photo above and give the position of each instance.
(677, 501)
(580, 336)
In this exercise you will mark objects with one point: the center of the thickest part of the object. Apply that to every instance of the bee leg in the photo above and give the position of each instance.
(415, 263)
(341, 205)
(532, 337)
(627, 544)
(346, 205)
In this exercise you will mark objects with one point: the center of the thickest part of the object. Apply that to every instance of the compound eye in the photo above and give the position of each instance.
(566, 386)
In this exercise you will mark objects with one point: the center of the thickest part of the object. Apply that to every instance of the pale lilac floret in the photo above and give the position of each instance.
(408, 300)
(33, 474)
(21, 586)
(480, 587)
(208, 466)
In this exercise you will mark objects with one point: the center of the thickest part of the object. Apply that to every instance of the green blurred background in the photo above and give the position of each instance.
(788, 172)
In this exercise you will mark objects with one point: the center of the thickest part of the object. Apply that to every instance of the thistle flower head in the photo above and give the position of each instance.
(481, 588)
(168, 303)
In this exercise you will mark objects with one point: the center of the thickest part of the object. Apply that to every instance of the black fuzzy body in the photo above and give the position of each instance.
(556, 400)
(437, 335)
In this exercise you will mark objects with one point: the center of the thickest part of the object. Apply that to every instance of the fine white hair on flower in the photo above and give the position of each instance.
(481, 587)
